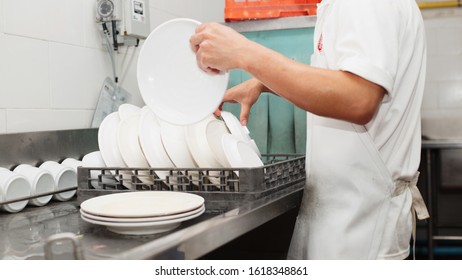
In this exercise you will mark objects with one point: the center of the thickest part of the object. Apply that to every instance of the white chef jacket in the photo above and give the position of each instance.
(354, 206)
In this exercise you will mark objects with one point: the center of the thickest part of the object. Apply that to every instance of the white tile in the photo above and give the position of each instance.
(450, 94)
(213, 10)
(130, 82)
(432, 40)
(24, 73)
(2, 121)
(449, 40)
(44, 120)
(91, 29)
(77, 74)
(203, 10)
(430, 98)
(159, 16)
(181, 8)
(29, 18)
(1, 16)
(67, 22)
(54, 20)
(444, 68)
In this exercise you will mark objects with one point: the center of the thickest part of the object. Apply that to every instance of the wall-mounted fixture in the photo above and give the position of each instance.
(121, 23)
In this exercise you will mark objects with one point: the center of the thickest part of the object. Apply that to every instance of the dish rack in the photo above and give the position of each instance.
(221, 188)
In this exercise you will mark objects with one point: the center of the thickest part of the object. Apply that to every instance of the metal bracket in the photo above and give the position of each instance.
(65, 236)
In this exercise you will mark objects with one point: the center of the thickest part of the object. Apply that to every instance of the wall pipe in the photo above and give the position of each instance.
(441, 4)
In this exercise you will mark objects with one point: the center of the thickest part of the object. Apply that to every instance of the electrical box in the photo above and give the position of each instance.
(108, 10)
(136, 18)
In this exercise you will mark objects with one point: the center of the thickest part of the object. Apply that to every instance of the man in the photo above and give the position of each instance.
(362, 94)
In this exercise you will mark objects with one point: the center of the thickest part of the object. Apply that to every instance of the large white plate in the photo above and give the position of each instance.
(126, 110)
(175, 143)
(169, 79)
(108, 146)
(142, 204)
(143, 228)
(142, 220)
(107, 141)
(151, 142)
(129, 145)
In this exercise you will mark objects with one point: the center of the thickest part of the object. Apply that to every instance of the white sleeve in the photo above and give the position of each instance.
(367, 40)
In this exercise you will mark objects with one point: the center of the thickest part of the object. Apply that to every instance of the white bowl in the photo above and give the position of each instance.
(169, 79)
(72, 162)
(40, 180)
(13, 186)
(64, 177)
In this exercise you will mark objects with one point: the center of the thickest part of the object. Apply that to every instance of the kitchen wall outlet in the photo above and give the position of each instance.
(136, 18)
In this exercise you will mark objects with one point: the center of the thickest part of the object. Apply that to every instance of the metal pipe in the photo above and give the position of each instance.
(441, 4)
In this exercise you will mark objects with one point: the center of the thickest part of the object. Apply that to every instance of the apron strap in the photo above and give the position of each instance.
(418, 204)
(419, 209)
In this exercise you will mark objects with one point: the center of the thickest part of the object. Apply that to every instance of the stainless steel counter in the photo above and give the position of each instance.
(442, 144)
(31, 233)
(434, 153)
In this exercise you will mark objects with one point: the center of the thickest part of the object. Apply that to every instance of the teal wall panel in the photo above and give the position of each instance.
(276, 125)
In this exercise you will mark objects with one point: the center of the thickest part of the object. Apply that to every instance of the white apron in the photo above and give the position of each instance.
(351, 208)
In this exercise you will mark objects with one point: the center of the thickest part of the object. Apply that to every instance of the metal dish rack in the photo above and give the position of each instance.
(222, 189)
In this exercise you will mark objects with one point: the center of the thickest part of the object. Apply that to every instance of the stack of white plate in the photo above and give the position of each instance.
(177, 127)
(143, 212)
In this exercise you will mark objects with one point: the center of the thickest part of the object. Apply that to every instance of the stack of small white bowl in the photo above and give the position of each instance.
(29, 185)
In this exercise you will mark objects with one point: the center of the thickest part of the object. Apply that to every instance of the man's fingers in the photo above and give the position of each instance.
(245, 112)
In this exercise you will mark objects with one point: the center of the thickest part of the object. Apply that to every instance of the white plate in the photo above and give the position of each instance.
(94, 159)
(238, 130)
(198, 138)
(143, 228)
(142, 220)
(169, 79)
(239, 153)
(142, 204)
(174, 141)
(129, 145)
(107, 141)
(108, 146)
(126, 110)
(151, 142)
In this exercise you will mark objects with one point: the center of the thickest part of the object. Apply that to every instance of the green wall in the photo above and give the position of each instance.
(277, 126)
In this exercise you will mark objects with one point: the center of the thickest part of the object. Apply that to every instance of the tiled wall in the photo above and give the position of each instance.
(442, 107)
(52, 63)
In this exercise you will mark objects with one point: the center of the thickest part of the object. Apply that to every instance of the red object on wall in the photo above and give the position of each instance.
(237, 10)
